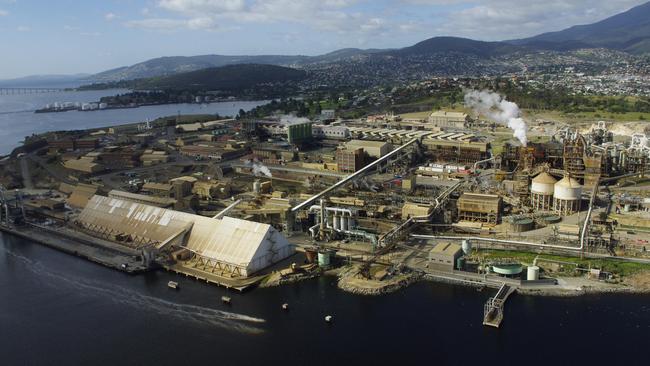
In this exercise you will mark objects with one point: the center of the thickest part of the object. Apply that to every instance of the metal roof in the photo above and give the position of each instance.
(242, 243)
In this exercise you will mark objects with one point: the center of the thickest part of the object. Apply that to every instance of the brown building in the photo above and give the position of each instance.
(349, 161)
(485, 208)
(443, 256)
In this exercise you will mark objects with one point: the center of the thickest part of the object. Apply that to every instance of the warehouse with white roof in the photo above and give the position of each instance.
(231, 246)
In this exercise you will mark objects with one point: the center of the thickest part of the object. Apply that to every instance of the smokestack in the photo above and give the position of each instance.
(496, 107)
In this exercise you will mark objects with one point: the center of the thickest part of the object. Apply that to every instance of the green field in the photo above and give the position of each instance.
(618, 267)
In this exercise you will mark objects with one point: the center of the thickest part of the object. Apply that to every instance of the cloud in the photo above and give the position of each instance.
(110, 16)
(507, 19)
(23, 28)
(325, 15)
(3, 13)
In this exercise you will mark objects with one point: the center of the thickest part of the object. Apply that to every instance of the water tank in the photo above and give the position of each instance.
(467, 247)
(568, 189)
(522, 224)
(533, 273)
(257, 186)
(324, 258)
(544, 184)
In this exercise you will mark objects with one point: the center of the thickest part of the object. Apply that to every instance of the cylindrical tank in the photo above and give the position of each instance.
(553, 219)
(521, 225)
(543, 183)
(336, 222)
(533, 273)
(460, 263)
(567, 189)
(311, 255)
(257, 186)
(324, 258)
(467, 247)
(344, 223)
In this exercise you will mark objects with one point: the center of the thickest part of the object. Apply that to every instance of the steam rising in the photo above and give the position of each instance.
(291, 120)
(259, 168)
(496, 107)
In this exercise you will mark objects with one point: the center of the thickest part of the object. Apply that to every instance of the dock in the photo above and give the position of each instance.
(493, 309)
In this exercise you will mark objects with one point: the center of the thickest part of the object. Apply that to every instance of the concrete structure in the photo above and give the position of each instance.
(375, 149)
(228, 247)
(541, 192)
(485, 208)
(567, 195)
(444, 255)
(456, 148)
(83, 165)
(444, 119)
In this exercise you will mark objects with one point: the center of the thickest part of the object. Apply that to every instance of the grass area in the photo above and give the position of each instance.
(422, 115)
(618, 267)
(588, 116)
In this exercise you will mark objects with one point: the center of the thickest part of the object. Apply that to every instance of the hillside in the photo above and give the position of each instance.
(163, 66)
(628, 31)
(225, 78)
(458, 45)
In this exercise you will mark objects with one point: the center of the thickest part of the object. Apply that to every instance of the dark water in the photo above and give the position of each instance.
(60, 310)
(18, 120)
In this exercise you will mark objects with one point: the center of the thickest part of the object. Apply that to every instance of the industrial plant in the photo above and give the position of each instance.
(379, 201)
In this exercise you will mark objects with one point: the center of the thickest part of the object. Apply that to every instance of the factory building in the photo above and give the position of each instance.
(456, 148)
(444, 255)
(228, 247)
(484, 208)
(349, 160)
(567, 196)
(375, 149)
(330, 132)
(299, 132)
(415, 210)
(541, 192)
(444, 119)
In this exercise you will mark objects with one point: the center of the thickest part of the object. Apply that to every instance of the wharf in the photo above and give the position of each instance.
(81, 247)
(493, 311)
(239, 284)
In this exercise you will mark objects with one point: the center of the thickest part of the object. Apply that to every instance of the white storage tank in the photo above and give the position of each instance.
(541, 191)
(533, 273)
(467, 247)
(567, 196)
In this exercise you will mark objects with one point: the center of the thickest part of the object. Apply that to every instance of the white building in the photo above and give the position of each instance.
(233, 246)
(444, 119)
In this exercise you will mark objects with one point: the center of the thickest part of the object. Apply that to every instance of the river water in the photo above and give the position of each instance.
(17, 117)
(56, 309)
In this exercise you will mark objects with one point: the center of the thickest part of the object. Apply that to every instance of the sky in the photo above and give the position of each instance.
(89, 36)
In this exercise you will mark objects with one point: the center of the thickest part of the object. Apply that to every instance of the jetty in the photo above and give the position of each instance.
(493, 309)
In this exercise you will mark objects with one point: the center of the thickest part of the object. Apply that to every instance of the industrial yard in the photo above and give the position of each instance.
(379, 202)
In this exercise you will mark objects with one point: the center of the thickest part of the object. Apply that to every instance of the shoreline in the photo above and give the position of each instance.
(347, 278)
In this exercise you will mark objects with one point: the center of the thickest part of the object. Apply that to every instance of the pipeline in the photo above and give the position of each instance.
(501, 241)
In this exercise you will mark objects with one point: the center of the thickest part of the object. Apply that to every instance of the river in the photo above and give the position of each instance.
(17, 117)
(57, 309)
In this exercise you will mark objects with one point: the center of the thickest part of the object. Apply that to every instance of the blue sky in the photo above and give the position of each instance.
(75, 36)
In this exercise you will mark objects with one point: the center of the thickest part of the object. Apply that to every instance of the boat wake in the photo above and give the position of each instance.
(121, 295)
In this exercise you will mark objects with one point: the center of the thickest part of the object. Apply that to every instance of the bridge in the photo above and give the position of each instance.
(12, 91)
(493, 309)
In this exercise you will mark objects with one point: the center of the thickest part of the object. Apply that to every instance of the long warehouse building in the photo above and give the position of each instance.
(239, 247)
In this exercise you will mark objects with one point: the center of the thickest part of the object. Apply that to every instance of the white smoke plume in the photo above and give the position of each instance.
(496, 107)
(259, 168)
(291, 120)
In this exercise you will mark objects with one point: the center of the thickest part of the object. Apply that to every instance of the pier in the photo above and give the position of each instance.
(493, 310)
(11, 91)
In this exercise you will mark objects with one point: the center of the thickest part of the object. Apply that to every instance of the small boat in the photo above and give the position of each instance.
(285, 306)
(172, 285)
(226, 299)
(329, 318)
